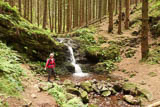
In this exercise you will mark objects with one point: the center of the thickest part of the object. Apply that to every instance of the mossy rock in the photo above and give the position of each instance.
(131, 100)
(145, 93)
(86, 85)
(130, 87)
(97, 53)
(106, 93)
(39, 43)
(84, 96)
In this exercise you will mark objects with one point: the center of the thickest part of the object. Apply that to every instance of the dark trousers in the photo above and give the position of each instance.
(50, 73)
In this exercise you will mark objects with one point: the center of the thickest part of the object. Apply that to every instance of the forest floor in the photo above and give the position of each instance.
(32, 96)
(132, 69)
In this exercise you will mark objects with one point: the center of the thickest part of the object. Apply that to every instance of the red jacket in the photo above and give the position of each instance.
(50, 63)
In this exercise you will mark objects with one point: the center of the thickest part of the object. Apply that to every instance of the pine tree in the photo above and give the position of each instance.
(110, 7)
(127, 2)
(145, 30)
(120, 18)
(45, 15)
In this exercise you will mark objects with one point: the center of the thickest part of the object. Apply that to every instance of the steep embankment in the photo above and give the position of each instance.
(27, 38)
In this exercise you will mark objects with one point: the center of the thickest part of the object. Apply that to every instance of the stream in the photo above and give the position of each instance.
(77, 77)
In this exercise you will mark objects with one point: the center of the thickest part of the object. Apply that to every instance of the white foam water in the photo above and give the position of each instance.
(78, 70)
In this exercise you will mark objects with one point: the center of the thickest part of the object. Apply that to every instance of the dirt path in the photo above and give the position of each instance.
(146, 75)
(32, 95)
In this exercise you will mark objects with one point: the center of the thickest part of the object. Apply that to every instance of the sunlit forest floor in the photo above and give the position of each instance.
(132, 69)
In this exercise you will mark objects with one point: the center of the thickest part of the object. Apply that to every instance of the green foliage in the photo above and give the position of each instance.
(3, 104)
(86, 35)
(59, 93)
(130, 53)
(154, 56)
(10, 71)
(108, 53)
(107, 66)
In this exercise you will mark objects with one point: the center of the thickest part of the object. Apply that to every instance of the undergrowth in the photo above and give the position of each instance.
(10, 71)
(59, 93)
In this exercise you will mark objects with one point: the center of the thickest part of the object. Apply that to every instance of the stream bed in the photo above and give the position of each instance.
(111, 101)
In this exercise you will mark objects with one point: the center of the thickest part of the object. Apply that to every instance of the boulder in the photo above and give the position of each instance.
(130, 88)
(145, 93)
(87, 85)
(73, 90)
(84, 96)
(131, 100)
(69, 83)
(94, 87)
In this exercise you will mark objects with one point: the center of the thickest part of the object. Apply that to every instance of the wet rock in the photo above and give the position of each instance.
(87, 85)
(106, 93)
(131, 100)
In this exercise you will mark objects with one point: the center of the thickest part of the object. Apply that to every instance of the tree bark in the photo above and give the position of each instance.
(110, 7)
(20, 7)
(45, 15)
(145, 30)
(127, 14)
(120, 18)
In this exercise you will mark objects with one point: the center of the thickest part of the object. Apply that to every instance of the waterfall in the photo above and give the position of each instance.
(78, 70)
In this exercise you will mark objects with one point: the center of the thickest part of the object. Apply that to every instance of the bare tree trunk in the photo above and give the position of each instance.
(120, 18)
(38, 15)
(20, 7)
(25, 8)
(86, 12)
(55, 15)
(127, 14)
(69, 16)
(49, 13)
(31, 11)
(145, 30)
(59, 16)
(45, 14)
(110, 6)
(64, 16)
(100, 10)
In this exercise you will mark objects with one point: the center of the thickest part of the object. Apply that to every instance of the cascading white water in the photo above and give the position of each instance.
(78, 70)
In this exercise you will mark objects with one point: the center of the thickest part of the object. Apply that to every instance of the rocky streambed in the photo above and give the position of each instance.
(102, 91)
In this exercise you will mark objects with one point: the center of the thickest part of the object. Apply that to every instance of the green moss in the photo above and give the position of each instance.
(109, 53)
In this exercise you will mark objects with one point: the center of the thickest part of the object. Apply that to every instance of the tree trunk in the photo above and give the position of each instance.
(49, 13)
(120, 18)
(100, 10)
(31, 11)
(86, 13)
(38, 15)
(59, 16)
(127, 14)
(20, 7)
(69, 16)
(110, 7)
(64, 16)
(116, 7)
(145, 30)
(25, 8)
(55, 15)
(45, 15)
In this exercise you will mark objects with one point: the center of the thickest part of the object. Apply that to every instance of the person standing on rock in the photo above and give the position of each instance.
(50, 66)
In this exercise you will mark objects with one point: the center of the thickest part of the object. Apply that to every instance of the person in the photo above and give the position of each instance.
(50, 66)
